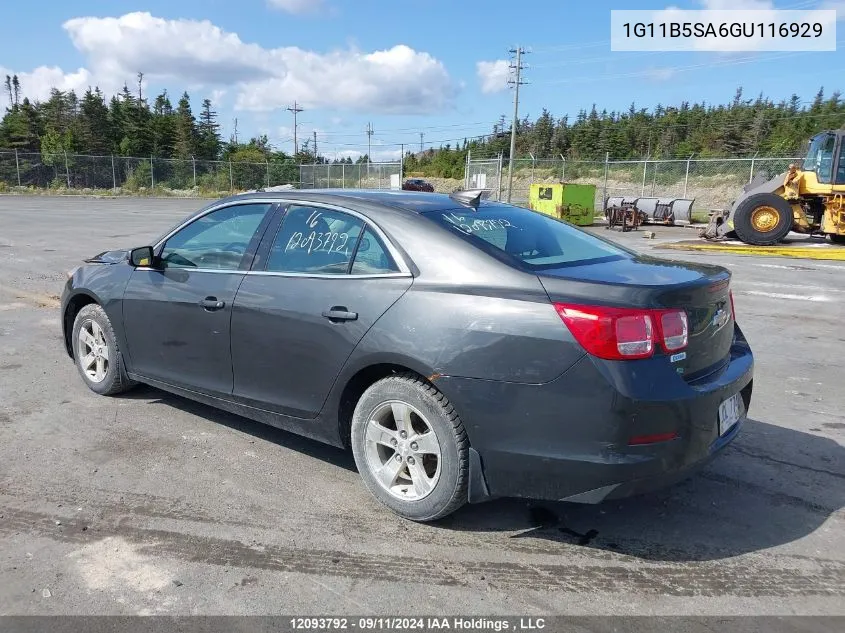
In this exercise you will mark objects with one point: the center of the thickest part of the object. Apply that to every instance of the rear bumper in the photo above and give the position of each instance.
(569, 439)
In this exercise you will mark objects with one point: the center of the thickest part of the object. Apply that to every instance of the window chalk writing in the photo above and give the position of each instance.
(475, 225)
(316, 241)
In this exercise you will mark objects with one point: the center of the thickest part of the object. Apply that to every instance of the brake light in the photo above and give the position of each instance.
(624, 333)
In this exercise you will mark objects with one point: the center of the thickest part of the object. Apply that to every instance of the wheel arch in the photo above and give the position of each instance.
(78, 301)
(361, 380)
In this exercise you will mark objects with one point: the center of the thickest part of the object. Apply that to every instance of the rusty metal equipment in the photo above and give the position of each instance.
(622, 214)
(649, 210)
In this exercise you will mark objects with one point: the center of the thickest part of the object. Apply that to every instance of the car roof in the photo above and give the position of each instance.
(411, 201)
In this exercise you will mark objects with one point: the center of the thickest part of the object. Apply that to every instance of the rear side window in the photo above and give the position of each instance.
(534, 240)
(372, 257)
(315, 240)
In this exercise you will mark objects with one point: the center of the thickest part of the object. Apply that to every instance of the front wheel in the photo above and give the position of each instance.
(837, 238)
(763, 219)
(96, 352)
(411, 448)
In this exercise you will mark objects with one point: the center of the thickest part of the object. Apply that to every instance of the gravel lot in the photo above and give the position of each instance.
(152, 504)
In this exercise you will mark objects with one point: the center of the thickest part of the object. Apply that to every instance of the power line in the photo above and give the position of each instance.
(296, 110)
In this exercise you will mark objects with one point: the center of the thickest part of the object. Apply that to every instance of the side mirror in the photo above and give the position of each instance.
(142, 256)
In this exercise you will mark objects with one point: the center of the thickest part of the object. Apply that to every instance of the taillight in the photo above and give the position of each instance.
(624, 333)
(675, 328)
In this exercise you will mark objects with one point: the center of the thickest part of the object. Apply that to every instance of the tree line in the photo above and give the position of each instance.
(133, 124)
(743, 127)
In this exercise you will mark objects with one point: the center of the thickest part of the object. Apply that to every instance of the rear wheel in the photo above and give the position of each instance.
(411, 448)
(837, 238)
(763, 219)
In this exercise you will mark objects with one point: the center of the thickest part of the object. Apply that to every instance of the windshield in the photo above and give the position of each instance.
(529, 239)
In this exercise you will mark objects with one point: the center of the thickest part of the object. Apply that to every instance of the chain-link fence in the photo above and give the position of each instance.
(713, 183)
(386, 175)
(134, 175)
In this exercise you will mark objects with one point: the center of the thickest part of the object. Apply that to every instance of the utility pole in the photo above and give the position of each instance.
(370, 132)
(422, 135)
(315, 146)
(140, 80)
(235, 131)
(516, 82)
(296, 110)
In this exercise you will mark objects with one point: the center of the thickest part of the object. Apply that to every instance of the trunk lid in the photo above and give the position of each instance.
(703, 291)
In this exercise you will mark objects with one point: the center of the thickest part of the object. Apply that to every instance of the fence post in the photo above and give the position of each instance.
(152, 174)
(17, 167)
(499, 178)
(231, 178)
(604, 186)
(563, 168)
(686, 177)
(343, 175)
(645, 171)
(67, 171)
(267, 162)
(113, 175)
(194, 165)
(401, 164)
(753, 158)
(466, 170)
(654, 177)
(533, 164)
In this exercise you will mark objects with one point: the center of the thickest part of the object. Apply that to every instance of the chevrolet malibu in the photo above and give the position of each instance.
(463, 349)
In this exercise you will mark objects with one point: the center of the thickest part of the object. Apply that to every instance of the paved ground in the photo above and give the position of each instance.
(149, 503)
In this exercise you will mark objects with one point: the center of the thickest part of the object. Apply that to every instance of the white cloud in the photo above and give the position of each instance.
(659, 74)
(378, 154)
(396, 80)
(493, 75)
(36, 84)
(736, 5)
(297, 7)
(399, 80)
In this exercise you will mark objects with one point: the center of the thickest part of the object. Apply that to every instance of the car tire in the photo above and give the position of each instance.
(774, 222)
(420, 481)
(837, 238)
(96, 354)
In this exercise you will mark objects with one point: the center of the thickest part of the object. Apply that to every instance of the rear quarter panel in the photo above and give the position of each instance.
(467, 314)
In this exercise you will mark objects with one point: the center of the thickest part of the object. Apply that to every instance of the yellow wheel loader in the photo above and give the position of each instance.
(806, 199)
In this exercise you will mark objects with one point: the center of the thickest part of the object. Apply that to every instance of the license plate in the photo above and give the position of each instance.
(730, 411)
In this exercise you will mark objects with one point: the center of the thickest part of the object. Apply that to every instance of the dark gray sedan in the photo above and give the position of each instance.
(464, 349)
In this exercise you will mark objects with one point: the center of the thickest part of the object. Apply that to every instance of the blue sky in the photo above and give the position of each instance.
(405, 67)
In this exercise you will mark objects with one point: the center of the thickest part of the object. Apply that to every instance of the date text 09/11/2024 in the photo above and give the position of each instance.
(455, 623)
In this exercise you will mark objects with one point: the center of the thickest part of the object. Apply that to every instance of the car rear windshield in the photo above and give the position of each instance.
(534, 240)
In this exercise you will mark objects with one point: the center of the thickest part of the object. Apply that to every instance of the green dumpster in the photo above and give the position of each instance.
(567, 201)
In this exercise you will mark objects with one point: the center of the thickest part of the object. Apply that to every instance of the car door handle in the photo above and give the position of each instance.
(211, 304)
(339, 313)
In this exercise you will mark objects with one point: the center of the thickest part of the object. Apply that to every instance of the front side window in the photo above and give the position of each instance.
(315, 240)
(531, 240)
(217, 240)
